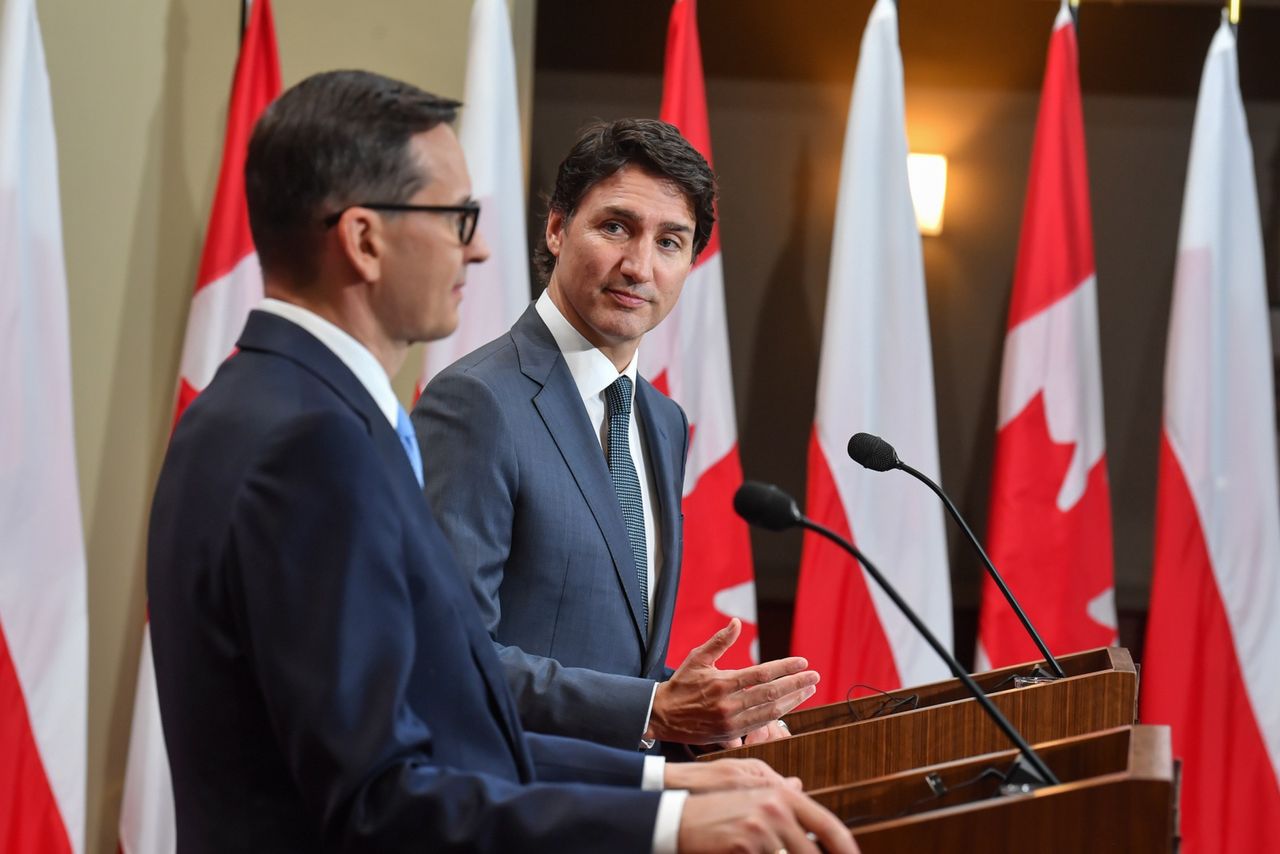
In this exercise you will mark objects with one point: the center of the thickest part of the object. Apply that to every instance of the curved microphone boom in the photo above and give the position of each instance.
(764, 505)
(878, 455)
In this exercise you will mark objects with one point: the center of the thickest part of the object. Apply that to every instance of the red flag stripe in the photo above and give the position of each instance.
(29, 815)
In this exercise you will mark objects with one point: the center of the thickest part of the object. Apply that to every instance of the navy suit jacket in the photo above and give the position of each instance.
(325, 680)
(517, 478)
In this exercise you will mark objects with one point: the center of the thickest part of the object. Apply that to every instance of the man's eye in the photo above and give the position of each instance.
(612, 227)
(670, 243)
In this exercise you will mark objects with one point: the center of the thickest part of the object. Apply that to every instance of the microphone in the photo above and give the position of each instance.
(764, 505)
(878, 455)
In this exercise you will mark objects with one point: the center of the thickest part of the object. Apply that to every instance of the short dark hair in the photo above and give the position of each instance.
(655, 146)
(335, 139)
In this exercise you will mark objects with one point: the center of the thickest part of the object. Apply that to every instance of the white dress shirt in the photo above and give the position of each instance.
(369, 371)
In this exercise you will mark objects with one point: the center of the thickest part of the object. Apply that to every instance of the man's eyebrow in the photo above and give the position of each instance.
(628, 214)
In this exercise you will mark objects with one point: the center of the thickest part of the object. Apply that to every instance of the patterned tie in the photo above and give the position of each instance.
(404, 429)
(625, 482)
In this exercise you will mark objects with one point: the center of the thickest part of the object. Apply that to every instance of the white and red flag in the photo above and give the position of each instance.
(498, 290)
(43, 605)
(1213, 639)
(228, 285)
(687, 357)
(1049, 532)
(875, 375)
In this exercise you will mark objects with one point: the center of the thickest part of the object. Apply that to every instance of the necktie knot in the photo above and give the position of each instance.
(618, 397)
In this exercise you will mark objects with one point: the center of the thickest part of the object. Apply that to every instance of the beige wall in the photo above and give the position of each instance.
(140, 91)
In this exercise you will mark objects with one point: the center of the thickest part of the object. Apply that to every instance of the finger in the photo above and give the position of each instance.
(768, 671)
(778, 689)
(709, 652)
(832, 835)
(749, 718)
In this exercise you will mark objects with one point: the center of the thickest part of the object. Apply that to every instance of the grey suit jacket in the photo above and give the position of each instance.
(518, 482)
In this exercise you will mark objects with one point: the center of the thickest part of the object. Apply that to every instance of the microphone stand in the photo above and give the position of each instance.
(991, 570)
(1033, 759)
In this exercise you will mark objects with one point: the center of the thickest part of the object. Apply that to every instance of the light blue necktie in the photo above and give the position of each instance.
(627, 484)
(404, 429)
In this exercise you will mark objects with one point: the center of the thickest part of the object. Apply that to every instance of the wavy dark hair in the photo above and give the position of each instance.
(655, 146)
(337, 138)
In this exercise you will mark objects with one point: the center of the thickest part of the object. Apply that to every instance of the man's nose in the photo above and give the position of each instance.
(478, 249)
(637, 262)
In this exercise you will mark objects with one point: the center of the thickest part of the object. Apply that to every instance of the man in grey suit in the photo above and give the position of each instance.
(556, 471)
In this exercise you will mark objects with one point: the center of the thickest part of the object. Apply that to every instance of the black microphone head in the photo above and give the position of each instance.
(765, 506)
(872, 452)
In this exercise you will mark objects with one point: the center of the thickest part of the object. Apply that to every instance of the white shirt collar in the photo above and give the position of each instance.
(592, 370)
(352, 353)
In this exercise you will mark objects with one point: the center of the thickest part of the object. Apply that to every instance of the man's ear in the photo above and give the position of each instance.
(362, 242)
(556, 222)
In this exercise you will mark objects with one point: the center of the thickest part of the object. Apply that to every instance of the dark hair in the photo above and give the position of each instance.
(655, 146)
(335, 139)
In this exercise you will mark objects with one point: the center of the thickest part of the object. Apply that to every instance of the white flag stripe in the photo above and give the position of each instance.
(1219, 399)
(876, 371)
(218, 312)
(498, 290)
(1056, 352)
(43, 604)
(152, 793)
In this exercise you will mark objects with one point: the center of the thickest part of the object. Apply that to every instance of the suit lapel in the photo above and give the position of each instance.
(668, 492)
(560, 406)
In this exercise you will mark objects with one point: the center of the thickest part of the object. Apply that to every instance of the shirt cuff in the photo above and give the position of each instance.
(647, 743)
(654, 770)
(666, 827)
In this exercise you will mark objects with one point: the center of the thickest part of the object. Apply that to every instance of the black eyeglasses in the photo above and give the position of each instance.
(468, 215)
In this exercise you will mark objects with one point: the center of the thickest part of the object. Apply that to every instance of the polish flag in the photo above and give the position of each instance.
(498, 290)
(1050, 519)
(43, 606)
(875, 375)
(1213, 640)
(228, 285)
(687, 356)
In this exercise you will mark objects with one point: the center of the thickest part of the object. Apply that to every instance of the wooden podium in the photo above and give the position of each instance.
(930, 724)
(1118, 793)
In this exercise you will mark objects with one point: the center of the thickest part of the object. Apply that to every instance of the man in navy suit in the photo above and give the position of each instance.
(325, 680)
(556, 471)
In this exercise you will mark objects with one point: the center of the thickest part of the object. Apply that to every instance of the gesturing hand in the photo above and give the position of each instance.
(701, 704)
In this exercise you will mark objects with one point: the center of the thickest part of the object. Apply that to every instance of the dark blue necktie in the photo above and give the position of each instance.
(625, 482)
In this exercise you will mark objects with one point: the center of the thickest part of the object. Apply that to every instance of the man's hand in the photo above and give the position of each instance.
(761, 820)
(772, 731)
(701, 704)
(724, 774)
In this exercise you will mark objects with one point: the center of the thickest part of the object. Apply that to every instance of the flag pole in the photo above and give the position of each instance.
(244, 18)
(1233, 12)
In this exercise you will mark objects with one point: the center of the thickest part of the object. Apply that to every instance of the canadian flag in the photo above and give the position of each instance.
(228, 285)
(43, 607)
(875, 375)
(1050, 513)
(687, 356)
(498, 290)
(1213, 640)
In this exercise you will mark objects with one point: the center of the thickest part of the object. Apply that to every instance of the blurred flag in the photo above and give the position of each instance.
(687, 357)
(1213, 640)
(228, 285)
(875, 375)
(498, 290)
(1050, 521)
(43, 606)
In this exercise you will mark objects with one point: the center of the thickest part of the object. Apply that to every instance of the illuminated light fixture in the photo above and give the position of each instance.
(927, 174)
